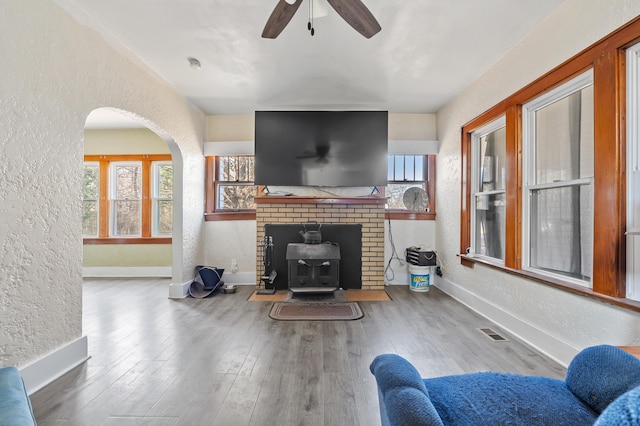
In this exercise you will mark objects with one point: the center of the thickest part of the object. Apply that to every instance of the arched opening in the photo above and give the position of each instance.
(128, 197)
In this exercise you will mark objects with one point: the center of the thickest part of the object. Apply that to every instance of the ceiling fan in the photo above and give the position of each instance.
(354, 12)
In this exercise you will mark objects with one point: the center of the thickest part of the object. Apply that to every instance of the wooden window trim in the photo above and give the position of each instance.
(135, 240)
(103, 214)
(607, 58)
(210, 214)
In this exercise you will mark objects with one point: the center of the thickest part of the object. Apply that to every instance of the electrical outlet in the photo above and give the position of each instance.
(234, 265)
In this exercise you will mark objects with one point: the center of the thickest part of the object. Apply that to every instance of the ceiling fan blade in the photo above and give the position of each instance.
(279, 18)
(357, 15)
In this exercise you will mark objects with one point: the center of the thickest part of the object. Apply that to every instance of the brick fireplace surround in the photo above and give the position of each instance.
(368, 211)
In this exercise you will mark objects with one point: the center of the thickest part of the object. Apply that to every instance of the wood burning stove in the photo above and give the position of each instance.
(313, 268)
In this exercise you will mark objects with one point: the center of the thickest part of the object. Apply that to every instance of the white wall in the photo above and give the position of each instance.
(54, 73)
(557, 322)
(405, 233)
(229, 240)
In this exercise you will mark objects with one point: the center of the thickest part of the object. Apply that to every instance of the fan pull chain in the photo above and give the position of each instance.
(310, 24)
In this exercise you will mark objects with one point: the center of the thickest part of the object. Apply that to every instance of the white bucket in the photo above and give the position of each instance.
(420, 278)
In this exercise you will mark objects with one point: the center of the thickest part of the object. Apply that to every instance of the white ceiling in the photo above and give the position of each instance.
(427, 52)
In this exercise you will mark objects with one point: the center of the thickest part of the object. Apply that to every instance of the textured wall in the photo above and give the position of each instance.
(123, 141)
(575, 320)
(54, 73)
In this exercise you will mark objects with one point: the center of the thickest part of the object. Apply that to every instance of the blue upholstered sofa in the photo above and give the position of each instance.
(15, 406)
(602, 387)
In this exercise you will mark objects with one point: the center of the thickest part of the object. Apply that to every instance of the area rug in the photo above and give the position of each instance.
(314, 311)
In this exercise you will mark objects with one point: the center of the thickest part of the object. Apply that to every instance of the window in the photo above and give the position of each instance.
(558, 181)
(162, 203)
(230, 188)
(568, 139)
(90, 199)
(488, 171)
(234, 183)
(404, 172)
(127, 199)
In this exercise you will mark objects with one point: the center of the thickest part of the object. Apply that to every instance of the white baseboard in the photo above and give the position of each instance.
(52, 366)
(127, 272)
(179, 290)
(549, 345)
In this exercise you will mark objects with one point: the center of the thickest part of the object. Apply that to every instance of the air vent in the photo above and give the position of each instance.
(493, 335)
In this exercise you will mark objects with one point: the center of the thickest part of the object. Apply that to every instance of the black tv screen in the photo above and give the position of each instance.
(321, 148)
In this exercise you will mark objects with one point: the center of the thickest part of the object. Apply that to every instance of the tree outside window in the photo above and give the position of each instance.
(162, 198)
(126, 201)
(234, 183)
(90, 199)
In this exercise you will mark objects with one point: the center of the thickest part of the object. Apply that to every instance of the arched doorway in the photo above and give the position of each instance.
(128, 197)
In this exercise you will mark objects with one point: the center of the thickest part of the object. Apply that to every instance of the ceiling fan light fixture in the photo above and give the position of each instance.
(354, 12)
(320, 8)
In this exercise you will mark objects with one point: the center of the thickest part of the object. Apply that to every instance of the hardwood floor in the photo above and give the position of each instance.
(223, 361)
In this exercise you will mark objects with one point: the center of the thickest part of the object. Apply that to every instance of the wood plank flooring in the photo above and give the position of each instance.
(223, 361)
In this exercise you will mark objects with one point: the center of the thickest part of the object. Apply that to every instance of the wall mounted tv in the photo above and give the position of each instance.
(321, 148)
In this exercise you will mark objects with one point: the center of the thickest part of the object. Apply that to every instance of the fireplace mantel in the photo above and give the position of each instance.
(300, 199)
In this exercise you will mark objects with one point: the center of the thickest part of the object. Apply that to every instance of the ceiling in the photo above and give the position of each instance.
(427, 52)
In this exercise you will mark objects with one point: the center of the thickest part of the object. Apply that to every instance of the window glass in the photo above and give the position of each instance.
(127, 199)
(489, 176)
(90, 199)
(559, 164)
(404, 172)
(561, 230)
(235, 188)
(564, 138)
(633, 173)
(162, 198)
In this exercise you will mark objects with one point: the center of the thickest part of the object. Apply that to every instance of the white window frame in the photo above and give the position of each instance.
(529, 110)
(633, 172)
(155, 198)
(112, 199)
(97, 165)
(475, 181)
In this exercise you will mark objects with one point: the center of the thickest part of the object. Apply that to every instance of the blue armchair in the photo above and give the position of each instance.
(602, 387)
(15, 406)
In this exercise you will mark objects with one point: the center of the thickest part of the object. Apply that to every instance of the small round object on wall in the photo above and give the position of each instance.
(415, 199)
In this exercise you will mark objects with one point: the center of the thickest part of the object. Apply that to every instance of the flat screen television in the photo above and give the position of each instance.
(321, 148)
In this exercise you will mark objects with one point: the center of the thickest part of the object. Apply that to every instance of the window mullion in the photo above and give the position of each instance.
(513, 188)
(146, 197)
(103, 216)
